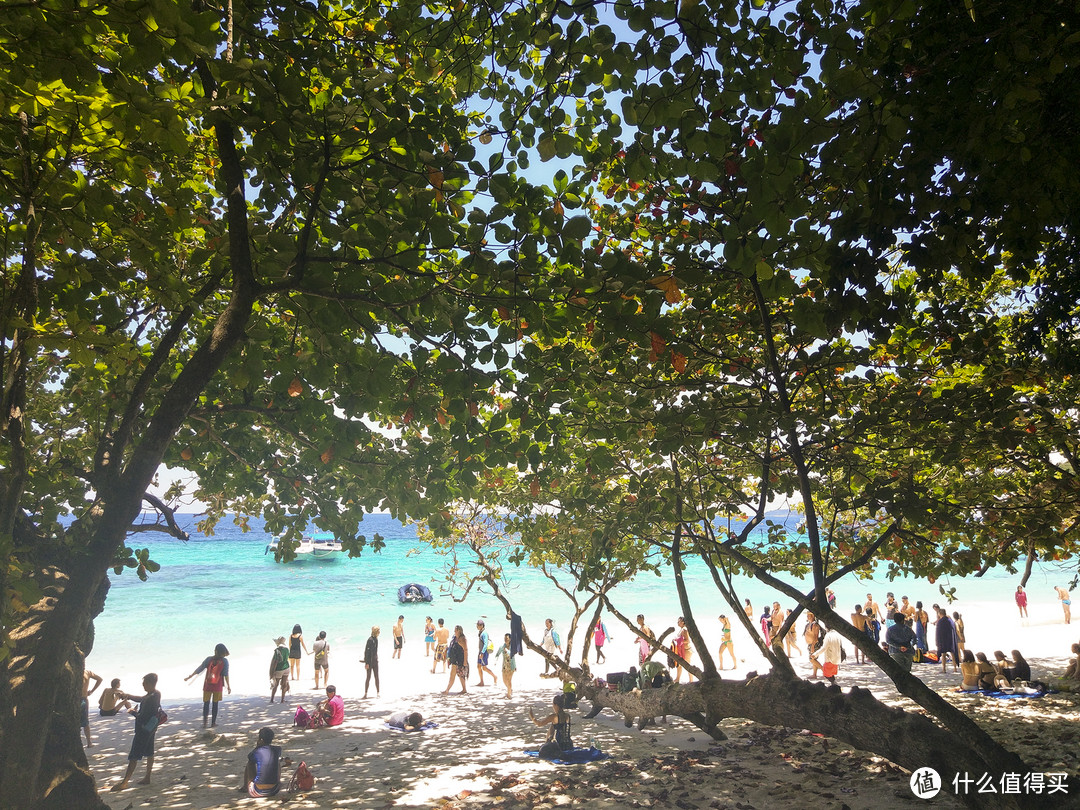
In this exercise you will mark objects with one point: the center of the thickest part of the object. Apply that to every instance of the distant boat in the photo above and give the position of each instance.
(322, 547)
(414, 592)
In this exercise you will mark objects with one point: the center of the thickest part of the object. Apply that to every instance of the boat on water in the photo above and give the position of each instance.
(414, 592)
(323, 547)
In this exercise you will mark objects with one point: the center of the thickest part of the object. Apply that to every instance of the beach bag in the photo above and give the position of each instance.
(302, 778)
(556, 639)
(301, 718)
(161, 716)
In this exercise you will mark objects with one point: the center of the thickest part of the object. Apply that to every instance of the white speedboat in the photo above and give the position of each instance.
(313, 547)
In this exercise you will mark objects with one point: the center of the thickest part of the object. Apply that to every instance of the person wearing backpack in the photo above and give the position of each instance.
(217, 676)
(484, 649)
(279, 669)
(321, 650)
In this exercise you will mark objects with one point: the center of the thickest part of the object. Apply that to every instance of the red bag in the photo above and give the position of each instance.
(302, 778)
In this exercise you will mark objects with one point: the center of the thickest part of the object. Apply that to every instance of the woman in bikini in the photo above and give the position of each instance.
(725, 641)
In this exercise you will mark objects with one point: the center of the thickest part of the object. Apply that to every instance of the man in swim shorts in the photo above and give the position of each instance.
(482, 654)
(399, 636)
(442, 640)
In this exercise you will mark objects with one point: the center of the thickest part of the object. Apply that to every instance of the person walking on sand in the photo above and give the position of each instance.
(279, 669)
(429, 636)
(84, 704)
(550, 642)
(482, 652)
(442, 641)
(371, 660)
(683, 651)
(457, 655)
(811, 633)
(296, 641)
(146, 723)
(832, 650)
(600, 636)
(1021, 601)
(321, 651)
(216, 679)
(644, 647)
(509, 665)
(1066, 601)
(399, 637)
(725, 641)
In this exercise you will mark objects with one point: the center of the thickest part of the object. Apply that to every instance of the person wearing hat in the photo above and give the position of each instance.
(262, 774)
(217, 676)
(279, 669)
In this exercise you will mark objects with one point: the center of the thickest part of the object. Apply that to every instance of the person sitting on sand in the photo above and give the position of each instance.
(1073, 669)
(262, 773)
(330, 712)
(406, 721)
(112, 700)
(1004, 666)
(987, 673)
(969, 668)
(558, 736)
(1021, 669)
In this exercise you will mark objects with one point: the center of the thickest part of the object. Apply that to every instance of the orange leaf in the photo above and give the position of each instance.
(327, 455)
(408, 417)
(657, 343)
(534, 487)
(679, 361)
(669, 286)
(296, 388)
(435, 177)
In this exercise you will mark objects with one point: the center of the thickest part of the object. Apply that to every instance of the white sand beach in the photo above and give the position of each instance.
(476, 755)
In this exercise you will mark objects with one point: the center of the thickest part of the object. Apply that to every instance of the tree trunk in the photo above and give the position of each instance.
(857, 718)
(42, 762)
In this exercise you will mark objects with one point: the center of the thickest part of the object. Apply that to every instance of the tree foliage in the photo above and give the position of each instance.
(651, 264)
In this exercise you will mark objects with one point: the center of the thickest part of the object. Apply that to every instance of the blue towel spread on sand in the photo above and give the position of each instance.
(425, 727)
(575, 756)
(1004, 695)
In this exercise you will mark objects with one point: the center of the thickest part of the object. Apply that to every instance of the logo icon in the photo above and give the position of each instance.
(925, 783)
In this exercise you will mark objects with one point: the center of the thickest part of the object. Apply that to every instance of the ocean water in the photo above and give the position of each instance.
(224, 588)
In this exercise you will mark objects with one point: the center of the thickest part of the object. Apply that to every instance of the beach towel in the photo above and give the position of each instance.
(575, 756)
(425, 727)
(1006, 695)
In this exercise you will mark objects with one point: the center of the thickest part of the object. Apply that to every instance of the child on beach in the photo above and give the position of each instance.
(146, 723)
(217, 676)
(509, 665)
(112, 700)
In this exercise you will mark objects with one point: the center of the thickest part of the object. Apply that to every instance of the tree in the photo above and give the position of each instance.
(235, 242)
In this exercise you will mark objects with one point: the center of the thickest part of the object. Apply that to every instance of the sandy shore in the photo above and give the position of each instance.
(476, 758)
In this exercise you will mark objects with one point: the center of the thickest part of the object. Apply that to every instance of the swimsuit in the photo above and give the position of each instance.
(294, 646)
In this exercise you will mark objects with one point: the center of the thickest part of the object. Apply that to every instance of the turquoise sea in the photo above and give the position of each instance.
(224, 588)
